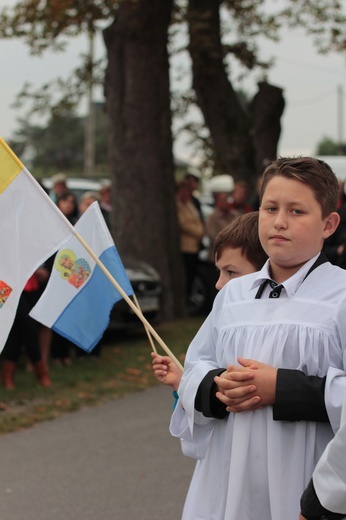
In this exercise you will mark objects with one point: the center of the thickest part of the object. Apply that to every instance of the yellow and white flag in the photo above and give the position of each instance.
(32, 229)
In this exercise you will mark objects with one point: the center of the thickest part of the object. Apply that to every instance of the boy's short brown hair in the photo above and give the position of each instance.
(242, 232)
(310, 171)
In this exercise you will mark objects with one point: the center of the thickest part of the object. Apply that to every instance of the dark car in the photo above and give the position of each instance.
(147, 287)
(203, 289)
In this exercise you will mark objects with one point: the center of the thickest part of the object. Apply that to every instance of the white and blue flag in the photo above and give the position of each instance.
(79, 297)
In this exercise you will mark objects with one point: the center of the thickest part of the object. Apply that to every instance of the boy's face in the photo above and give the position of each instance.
(231, 264)
(291, 227)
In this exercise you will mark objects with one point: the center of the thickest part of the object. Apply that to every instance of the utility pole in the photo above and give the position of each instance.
(89, 143)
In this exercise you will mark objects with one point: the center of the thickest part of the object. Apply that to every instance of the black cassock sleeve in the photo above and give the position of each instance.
(311, 507)
(206, 400)
(299, 397)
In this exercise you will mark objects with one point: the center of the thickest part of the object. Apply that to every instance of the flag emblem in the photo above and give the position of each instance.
(5, 291)
(74, 270)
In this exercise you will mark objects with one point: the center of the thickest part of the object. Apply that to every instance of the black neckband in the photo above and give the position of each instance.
(322, 259)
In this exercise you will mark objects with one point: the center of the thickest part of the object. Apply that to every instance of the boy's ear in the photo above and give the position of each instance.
(331, 224)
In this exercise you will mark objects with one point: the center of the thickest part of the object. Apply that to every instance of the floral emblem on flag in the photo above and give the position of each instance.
(74, 270)
(5, 291)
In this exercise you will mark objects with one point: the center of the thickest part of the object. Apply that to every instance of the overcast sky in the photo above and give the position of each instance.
(314, 88)
(311, 83)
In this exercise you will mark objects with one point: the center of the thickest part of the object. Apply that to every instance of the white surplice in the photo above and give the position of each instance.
(330, 473)
(251, 467)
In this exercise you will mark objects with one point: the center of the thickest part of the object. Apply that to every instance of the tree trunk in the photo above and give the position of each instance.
(228, 123)
(267, 108)
(144, 223)
(243, 140)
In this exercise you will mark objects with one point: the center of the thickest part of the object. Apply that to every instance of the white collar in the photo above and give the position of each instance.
(293, 283)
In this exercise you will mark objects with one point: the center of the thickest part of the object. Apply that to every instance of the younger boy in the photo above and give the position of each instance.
(237, 251)
(290, 315)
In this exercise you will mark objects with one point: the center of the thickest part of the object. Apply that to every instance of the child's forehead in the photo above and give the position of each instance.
(230, 252)
(284, 186)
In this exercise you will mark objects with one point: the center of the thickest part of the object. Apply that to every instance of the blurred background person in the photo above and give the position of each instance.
(59, 186)
(86, 200)
(191, 232)
(105, 193)
(220, 217)
(254, 201)
(24, 332)
(44, 333)
(193, 177)
(240, 195)
(67, 203)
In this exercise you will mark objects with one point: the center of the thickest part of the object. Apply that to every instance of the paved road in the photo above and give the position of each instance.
(116, 461)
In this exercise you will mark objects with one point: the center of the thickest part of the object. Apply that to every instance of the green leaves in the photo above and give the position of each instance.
(41, 23)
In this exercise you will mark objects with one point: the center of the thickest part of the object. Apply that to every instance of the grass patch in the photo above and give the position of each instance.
(124, 366)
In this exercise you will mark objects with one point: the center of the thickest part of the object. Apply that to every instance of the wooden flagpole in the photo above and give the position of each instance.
(128, 300)
(146, 329)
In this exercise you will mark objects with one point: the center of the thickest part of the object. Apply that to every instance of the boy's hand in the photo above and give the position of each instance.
(236, 392)
(166, 371)
(236, 389)
(264, 379)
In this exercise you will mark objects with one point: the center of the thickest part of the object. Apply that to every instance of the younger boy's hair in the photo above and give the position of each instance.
(242, 232)
(310, 171)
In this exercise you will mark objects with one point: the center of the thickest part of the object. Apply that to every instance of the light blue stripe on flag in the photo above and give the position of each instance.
(95, 299)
